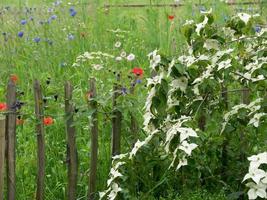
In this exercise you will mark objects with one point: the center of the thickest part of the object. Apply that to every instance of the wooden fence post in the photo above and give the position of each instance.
(94, 141)
(72, 154)
(2, 154)
(40, 140)
(116, 122)
(11, 140)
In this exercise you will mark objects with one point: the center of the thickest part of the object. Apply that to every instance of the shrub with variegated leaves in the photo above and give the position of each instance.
(193, 115)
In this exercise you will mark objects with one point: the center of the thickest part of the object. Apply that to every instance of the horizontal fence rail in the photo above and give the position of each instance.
(176, 5)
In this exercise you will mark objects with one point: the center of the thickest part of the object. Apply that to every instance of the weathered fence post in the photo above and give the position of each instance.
(2, 154)
(94, 141)
(11, 140)
(40, 140)
(116, 122)
(72, 154)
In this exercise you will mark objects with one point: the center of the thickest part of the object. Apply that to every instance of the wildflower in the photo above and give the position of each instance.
(23, 22)
(117, 44)
(53, 17)
(131, 57)
(31, 18)
(48, 121)
(118, 58)
(171, 17)
(138, 71)
(18, 104)
(187, 148)
(73, 12)
(257, 29)
(123, 54)
(3, 106)
(124, 90)
(37, 39)
(138, 81)
(70, 37)
(14, 78)
(71, 9)
(57, 3)
(20, 34)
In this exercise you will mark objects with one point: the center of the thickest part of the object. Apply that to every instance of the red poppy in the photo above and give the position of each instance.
(138, 71)
(19, 122)
(3, 106)
(48, 121)
(171, 17)
(14, 78)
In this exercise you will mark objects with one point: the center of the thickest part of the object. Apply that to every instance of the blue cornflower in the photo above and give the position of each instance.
(50, 10)
(57, 3)
(257, 29)
(71, 9)
(20, 34)
(138, 81)
(31, 18)
(71, 37)
(23, 22)
(124, 90)
(73, 13)
(37, 39)
(53, 17)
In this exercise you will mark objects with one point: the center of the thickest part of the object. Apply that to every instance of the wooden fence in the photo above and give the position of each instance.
(8, 141)
(177, 5)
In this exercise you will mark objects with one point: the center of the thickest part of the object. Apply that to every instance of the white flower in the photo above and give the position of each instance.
(118, 58)
(187, 148)
(131, 57)
(257, 160)
(114, 191)
(123, 54)
(154, 58)
(244, 17)
(97, 66)
(255, 174)
(182, 162)
(186, 133)
(117, 44)
(256, 190)
(180, 83)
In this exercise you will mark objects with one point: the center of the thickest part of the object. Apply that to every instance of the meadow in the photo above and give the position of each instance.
(59, 41)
